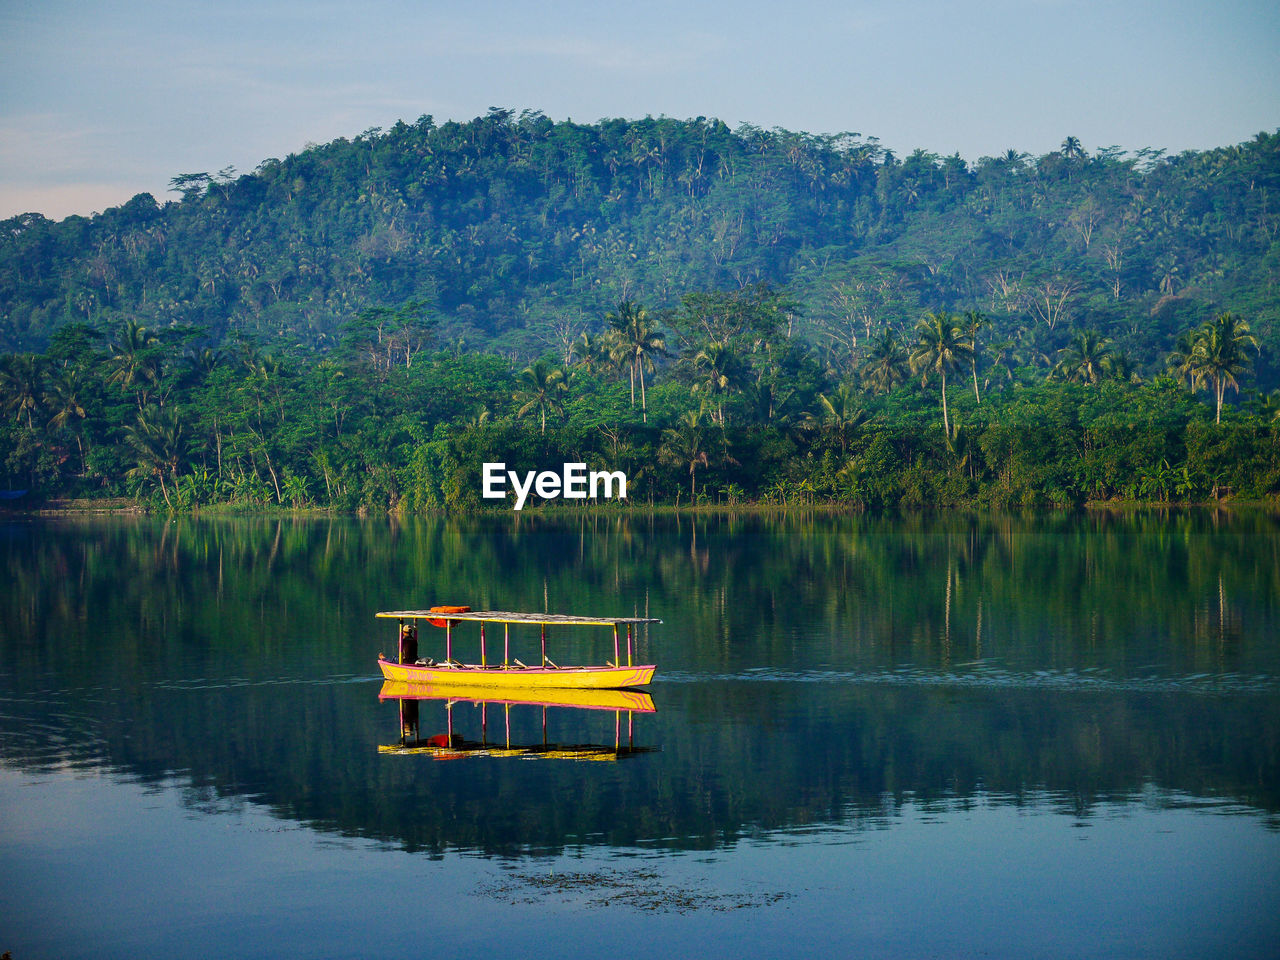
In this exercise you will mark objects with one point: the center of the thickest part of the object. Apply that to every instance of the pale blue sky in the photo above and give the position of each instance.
(99, 101)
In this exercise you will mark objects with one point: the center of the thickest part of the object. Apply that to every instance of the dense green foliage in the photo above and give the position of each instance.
(718, 426)
(723, 314)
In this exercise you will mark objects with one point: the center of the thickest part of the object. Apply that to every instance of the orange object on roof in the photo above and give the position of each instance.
(441, 623)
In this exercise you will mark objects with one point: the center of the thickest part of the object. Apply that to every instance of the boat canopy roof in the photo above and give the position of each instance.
(502, 616)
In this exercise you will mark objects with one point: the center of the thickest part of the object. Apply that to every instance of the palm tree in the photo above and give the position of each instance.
(1179, 362)
(131, 361)
(65, 390)
(1122, 368)
(682, 447)
(204, 362)
(1087, 359)
(542, 389)
(156, 441)
(961, 446)
(974, 322)
(1219, 355)
(940, 346)
(590, 351)
(636, 342)
(22, 384)
(721, 372)
(1267, 406)
(886, 364)
(478, 420)
(841, 415)
(265, 382)
(771, 402)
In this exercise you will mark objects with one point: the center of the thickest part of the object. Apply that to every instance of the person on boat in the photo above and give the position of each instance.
(408, 643)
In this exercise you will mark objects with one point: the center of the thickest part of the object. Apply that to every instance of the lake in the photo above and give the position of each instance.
(952, 736)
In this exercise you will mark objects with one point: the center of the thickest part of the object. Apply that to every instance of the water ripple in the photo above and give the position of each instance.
(222, 683)
(992, 677)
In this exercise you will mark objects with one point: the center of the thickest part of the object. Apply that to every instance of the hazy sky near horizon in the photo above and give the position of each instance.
(102, 100)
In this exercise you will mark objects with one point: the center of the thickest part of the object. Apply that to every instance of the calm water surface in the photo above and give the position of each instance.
(984, 736)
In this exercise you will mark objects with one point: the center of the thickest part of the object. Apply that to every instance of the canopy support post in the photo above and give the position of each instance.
(615, 643)
(482, 660)
(628, 644)
(506, 644)
(544, 644)
(448, 640)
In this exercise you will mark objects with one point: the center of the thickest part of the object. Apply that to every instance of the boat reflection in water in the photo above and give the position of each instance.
(453, 745)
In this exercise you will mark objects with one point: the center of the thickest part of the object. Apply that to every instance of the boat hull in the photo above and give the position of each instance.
(520, 678)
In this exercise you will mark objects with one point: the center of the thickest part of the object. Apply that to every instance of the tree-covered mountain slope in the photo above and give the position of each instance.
(724, 315)
(520, 233)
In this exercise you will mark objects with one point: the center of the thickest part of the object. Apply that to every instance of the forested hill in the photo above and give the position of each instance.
(519, 233)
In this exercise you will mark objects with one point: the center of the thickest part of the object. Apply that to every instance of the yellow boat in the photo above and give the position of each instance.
(511, 672)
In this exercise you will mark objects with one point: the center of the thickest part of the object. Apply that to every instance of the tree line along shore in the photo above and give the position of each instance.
(749, 416)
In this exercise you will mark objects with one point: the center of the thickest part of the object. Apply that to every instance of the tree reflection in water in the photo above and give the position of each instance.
(813, 670)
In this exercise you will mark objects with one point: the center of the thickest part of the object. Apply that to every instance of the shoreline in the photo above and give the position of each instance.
(122, 507)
